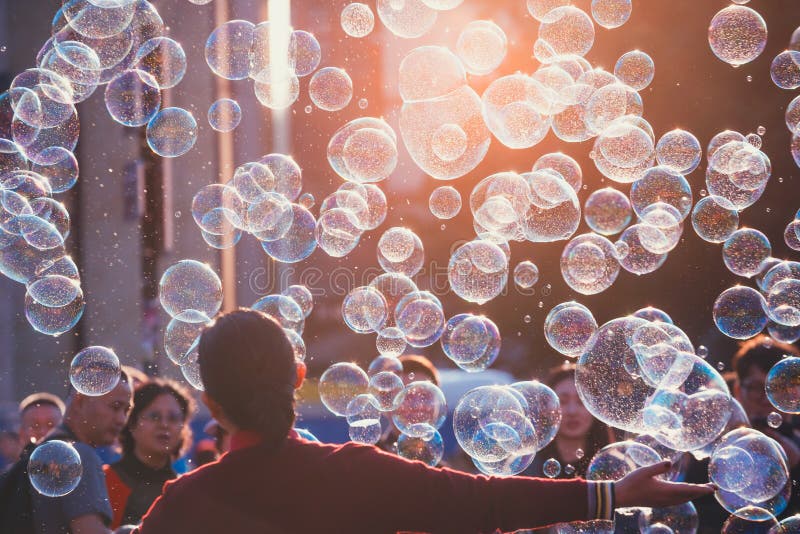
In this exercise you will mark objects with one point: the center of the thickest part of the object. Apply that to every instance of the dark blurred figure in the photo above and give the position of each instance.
(222, 438)
(39, 413)
(580, 435)
(10, 444)
(155, 436)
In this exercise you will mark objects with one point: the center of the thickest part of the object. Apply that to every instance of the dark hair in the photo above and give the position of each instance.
(600, 434)
(414, 363)
(41, 399)
(247, 366)
(762, 352)
(143, 396)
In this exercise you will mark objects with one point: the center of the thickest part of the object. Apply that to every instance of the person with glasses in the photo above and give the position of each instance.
(156, 435)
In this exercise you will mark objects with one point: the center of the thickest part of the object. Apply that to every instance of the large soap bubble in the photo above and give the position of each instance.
(616, 460)
(478, 271)
(421, 409)
(607, 211)
(589, 264)
(569, 328)
(737, 35)
(715, 219)
(543, 410)
(364, 309)
(94, 371)
(680, 150)
(224, 115)
(357, 20)
(341, 383)
(190, 286)
(471, 339)
(172, 132)
(635, 69)
(407, 19)
(364, 150)
(400, 251)
(782, 385)
(133, 98)
(745, 251)
(53, 303)
(420, 317)
(228, 49)
(331, 89)
(481, 46)
(297, 242)
(164, 59)
(54, 468)
(564, 30)
(426, 449)
(739, 312)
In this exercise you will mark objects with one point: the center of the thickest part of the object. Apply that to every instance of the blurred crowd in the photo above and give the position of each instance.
(142, 433)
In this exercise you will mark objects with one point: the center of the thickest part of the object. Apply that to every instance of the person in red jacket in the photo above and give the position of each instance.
(273, 481)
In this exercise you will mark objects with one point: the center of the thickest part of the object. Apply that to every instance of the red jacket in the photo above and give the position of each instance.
(307, 487)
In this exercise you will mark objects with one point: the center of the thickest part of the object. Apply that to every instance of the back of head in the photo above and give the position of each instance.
(761, 352)
(247, 366)
(421, 368)
(41, 399)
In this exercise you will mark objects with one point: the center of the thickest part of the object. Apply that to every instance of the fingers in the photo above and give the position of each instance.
(656, 469)
(688, 492)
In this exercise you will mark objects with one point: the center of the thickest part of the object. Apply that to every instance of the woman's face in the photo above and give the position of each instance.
(575, 419)
(159, 427)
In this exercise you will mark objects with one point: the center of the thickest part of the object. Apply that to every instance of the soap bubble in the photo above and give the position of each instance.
(407, 19)
(429, 72)
(616, 460)
(714, 219)
(777, 271)
(543, 410)
(357, 20)
(787, 526)
(566, 30)
(680, 519)
(172, 132)
(393, 287)
(471, 339)
(739, 312)
(449, 142)
(385, 386)
(400, 251)
(792, 115)
(783, 302)
(341, 383)
(782, 333)
(625, 145)
(554, 212)
(635, 69)
(750, 519)
(94, 371)
(611, 13)
(364, 419)
(305, 52)
(785, 69)
(421, 409)
(364, 309)
(54, 304)
(331, 89)
(564, 165)
(182, 335)
(551, 468)
(190, 286)
(730, 468)
(224, 115)
(781, 385)
(337, 232)
(774, 420)
(390, 341)
(445, 202)
(514, 464)
(364, 150)
(743, 164)
(426, 449)
(133, 98)
(569, 328)
(420, 317)
(745, 251)
(662, 184)
(653, 314)
(277, 90)
(514, 108)
(589, 264)
(791, 235)
(608, 104)
(228, 49)
(386, 362)
(478, 271)
(737, 35)
(283, 309)
(680, 150)
(540, 8)
(302, 296)
(526, 274)
(482, 46)
(298, 242)
(54, 468)
(607, 211)
(164, 59)
(59, 166)
(639, 242)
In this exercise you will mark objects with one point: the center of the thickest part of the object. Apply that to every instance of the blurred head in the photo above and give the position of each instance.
(752, 363)
(137, 376)
(576, 421)
(98, 421)
(249, 372)
(39, 414)
(158, 422)
(418, 368)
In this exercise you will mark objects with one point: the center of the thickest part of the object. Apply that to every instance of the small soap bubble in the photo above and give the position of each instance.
(702, 351)
(427, 449)
(445, 202)
(331, 89)
(785, 69)
(421, 409)
(761, 130)
(526, 274)
(739, 312)
(357, 20)
(569, 470)
(527, 318)
(774, 419)
(172, 132)
(579, 453)
(224, 115)
(363, 103)
(54, 468)
(190, 286)
(551, 468)
(94, 371)
(341, 383)
(780, 385)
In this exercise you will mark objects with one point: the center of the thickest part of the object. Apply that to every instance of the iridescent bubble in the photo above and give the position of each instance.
(364, 150)
(514, 108)
(228, 49)
(429, 72)
(653, 314)
(445, 202)
(386, 363)
(660, 228)
(567, 167)
(662, 184)
(731, 468)
(94, 371)
(782, 333)
(172, 132)
(783, 302)
(421, 409)
(543, 410)
(482, 46)
(341, 383)
(305, 52)
(566, 30)
(407, 18)
(357, 20)
(393, 287)
(745, 251)
(337, 232)
(164, 59)
(743, 164)
(133, 98)
(609, 103)
(449, 142)
(785, 69)
(554, 212)
(569, 328)
(420, 317)
(217, 207)
(714, 219)
(739, 312)
(182, 335)
(607, 211)
(774, 420)
(589, 264)
(478, 271)
(98, 19)
(400, 251)
(635, 69)
(331, 89)
(59, 166)
(526, 274)
(283, 309)
(297, 242)
(54, 468)
(190, 286)
(750, 519)
(551, 468)
(540, 8)
(302, 296)
(616, 460)
(792, 115)
(625, 145)
(385, 386)
(364, 419)
(427, 449)
(680, 150)
(390, 342)
(54, 304)
(611, 13)
(364, 309)
(277, 90)
(224, 115)
(737, 35)
(471, 339)
(791, 235)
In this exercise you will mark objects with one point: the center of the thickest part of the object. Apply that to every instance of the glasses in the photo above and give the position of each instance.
(172, 418)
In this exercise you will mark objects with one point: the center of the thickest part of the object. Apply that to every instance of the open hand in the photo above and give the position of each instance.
(642, 488)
